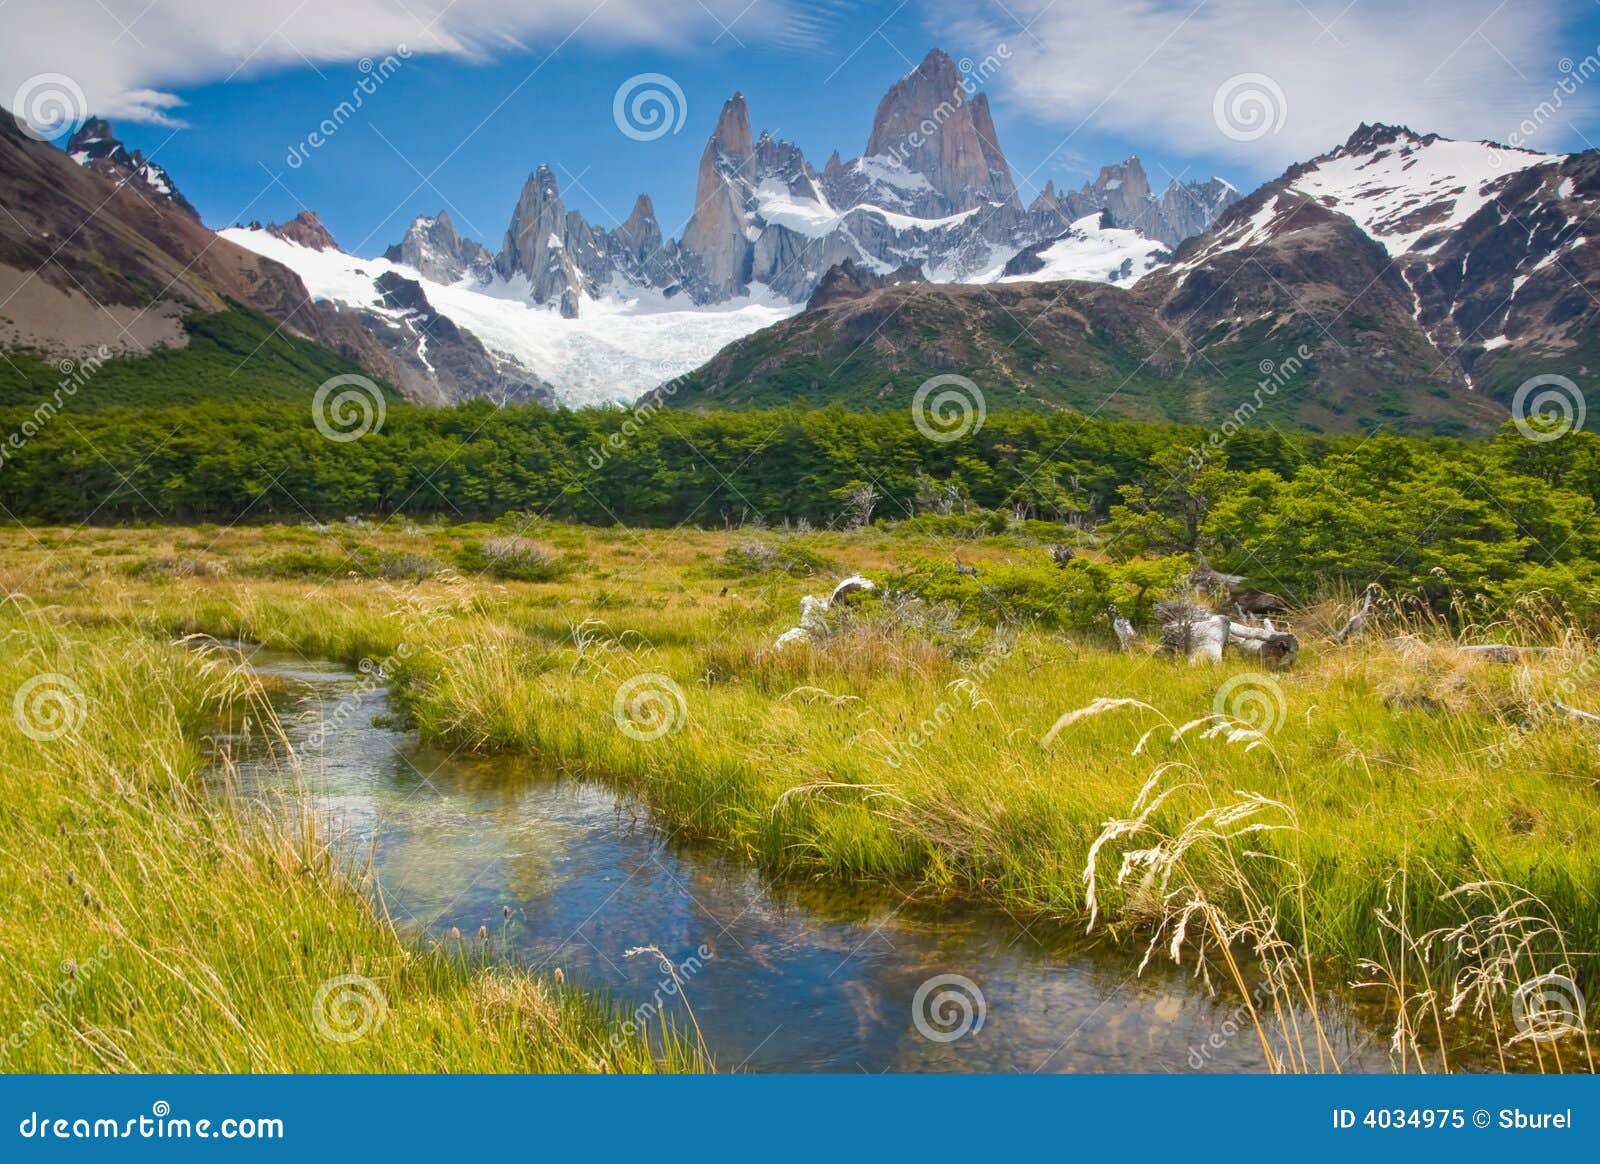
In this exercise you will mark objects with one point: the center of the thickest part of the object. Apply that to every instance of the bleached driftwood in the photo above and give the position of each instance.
(1200, 635)
(1276, 648)
(1192, 631)
(1586, 716)
(813, 608)
(1357, 621)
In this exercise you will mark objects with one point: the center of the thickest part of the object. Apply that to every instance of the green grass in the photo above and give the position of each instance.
(903, 750)
(151, 927)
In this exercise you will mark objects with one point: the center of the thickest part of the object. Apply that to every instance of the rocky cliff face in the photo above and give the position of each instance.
(932, 190)
(716, 239)
(95, 147)
(305, 229)
(927, 125)
(437, 252)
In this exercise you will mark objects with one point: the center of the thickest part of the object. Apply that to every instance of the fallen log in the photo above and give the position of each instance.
(1193, 632)
(1198, 634)
(1276, 648)
(1586, 716)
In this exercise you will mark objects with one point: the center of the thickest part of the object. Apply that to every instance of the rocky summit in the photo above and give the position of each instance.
(932, 189)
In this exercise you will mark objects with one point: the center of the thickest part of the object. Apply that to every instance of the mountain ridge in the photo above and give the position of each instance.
(1399, 279)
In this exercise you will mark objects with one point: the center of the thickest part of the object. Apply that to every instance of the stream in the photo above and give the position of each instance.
(568, 874)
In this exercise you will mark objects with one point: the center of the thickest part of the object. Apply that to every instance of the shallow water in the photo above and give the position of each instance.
(780, 978)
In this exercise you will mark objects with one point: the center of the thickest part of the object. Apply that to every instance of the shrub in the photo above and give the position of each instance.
(1075, 597)
(181, 566)
(759, 557)
(513, 559)
(304, 564)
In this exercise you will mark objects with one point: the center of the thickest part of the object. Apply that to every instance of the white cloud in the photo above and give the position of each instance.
(1151, 69)
(127, 56)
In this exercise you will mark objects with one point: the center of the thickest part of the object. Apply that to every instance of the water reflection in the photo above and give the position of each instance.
(564, 874)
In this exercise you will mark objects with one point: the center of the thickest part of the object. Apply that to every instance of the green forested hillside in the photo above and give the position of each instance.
(237, 354)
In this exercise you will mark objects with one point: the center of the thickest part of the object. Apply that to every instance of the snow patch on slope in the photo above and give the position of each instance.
(1411, 188)
(622, 345)
(1092, 253)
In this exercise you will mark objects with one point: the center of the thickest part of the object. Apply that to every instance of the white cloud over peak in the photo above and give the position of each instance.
(1304, 73)
(127, 56)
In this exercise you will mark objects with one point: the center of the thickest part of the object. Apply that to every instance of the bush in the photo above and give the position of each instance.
(513, 559)
(1078, 596)
(751, 558)
(304, 564)
(181, 566)
(406, 567)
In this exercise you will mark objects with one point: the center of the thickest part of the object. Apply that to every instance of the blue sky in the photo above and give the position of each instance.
(492, 89)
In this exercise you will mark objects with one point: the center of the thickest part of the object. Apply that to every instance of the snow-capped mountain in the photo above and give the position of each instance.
(606, 314)
(1400, 279)
(1488, 252)
(96, 147)
(624, 343)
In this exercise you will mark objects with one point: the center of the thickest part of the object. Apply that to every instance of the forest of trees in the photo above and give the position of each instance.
(1498, 515)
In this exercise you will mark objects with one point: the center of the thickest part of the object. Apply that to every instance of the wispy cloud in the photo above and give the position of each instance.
(1150, 69)
(129, 55)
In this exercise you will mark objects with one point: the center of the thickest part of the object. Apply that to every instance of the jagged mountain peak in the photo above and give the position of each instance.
(1379, 134)
(94, 145)
(304, 229)
(437, 251)
(961, 157)
(731, 137)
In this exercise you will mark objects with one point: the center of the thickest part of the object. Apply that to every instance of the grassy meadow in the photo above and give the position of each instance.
(1390, 809)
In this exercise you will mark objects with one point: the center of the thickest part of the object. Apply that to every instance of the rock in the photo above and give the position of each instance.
(438, 253)
(94, 146)
(960, 161)
(306, 229)
(851, 280)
